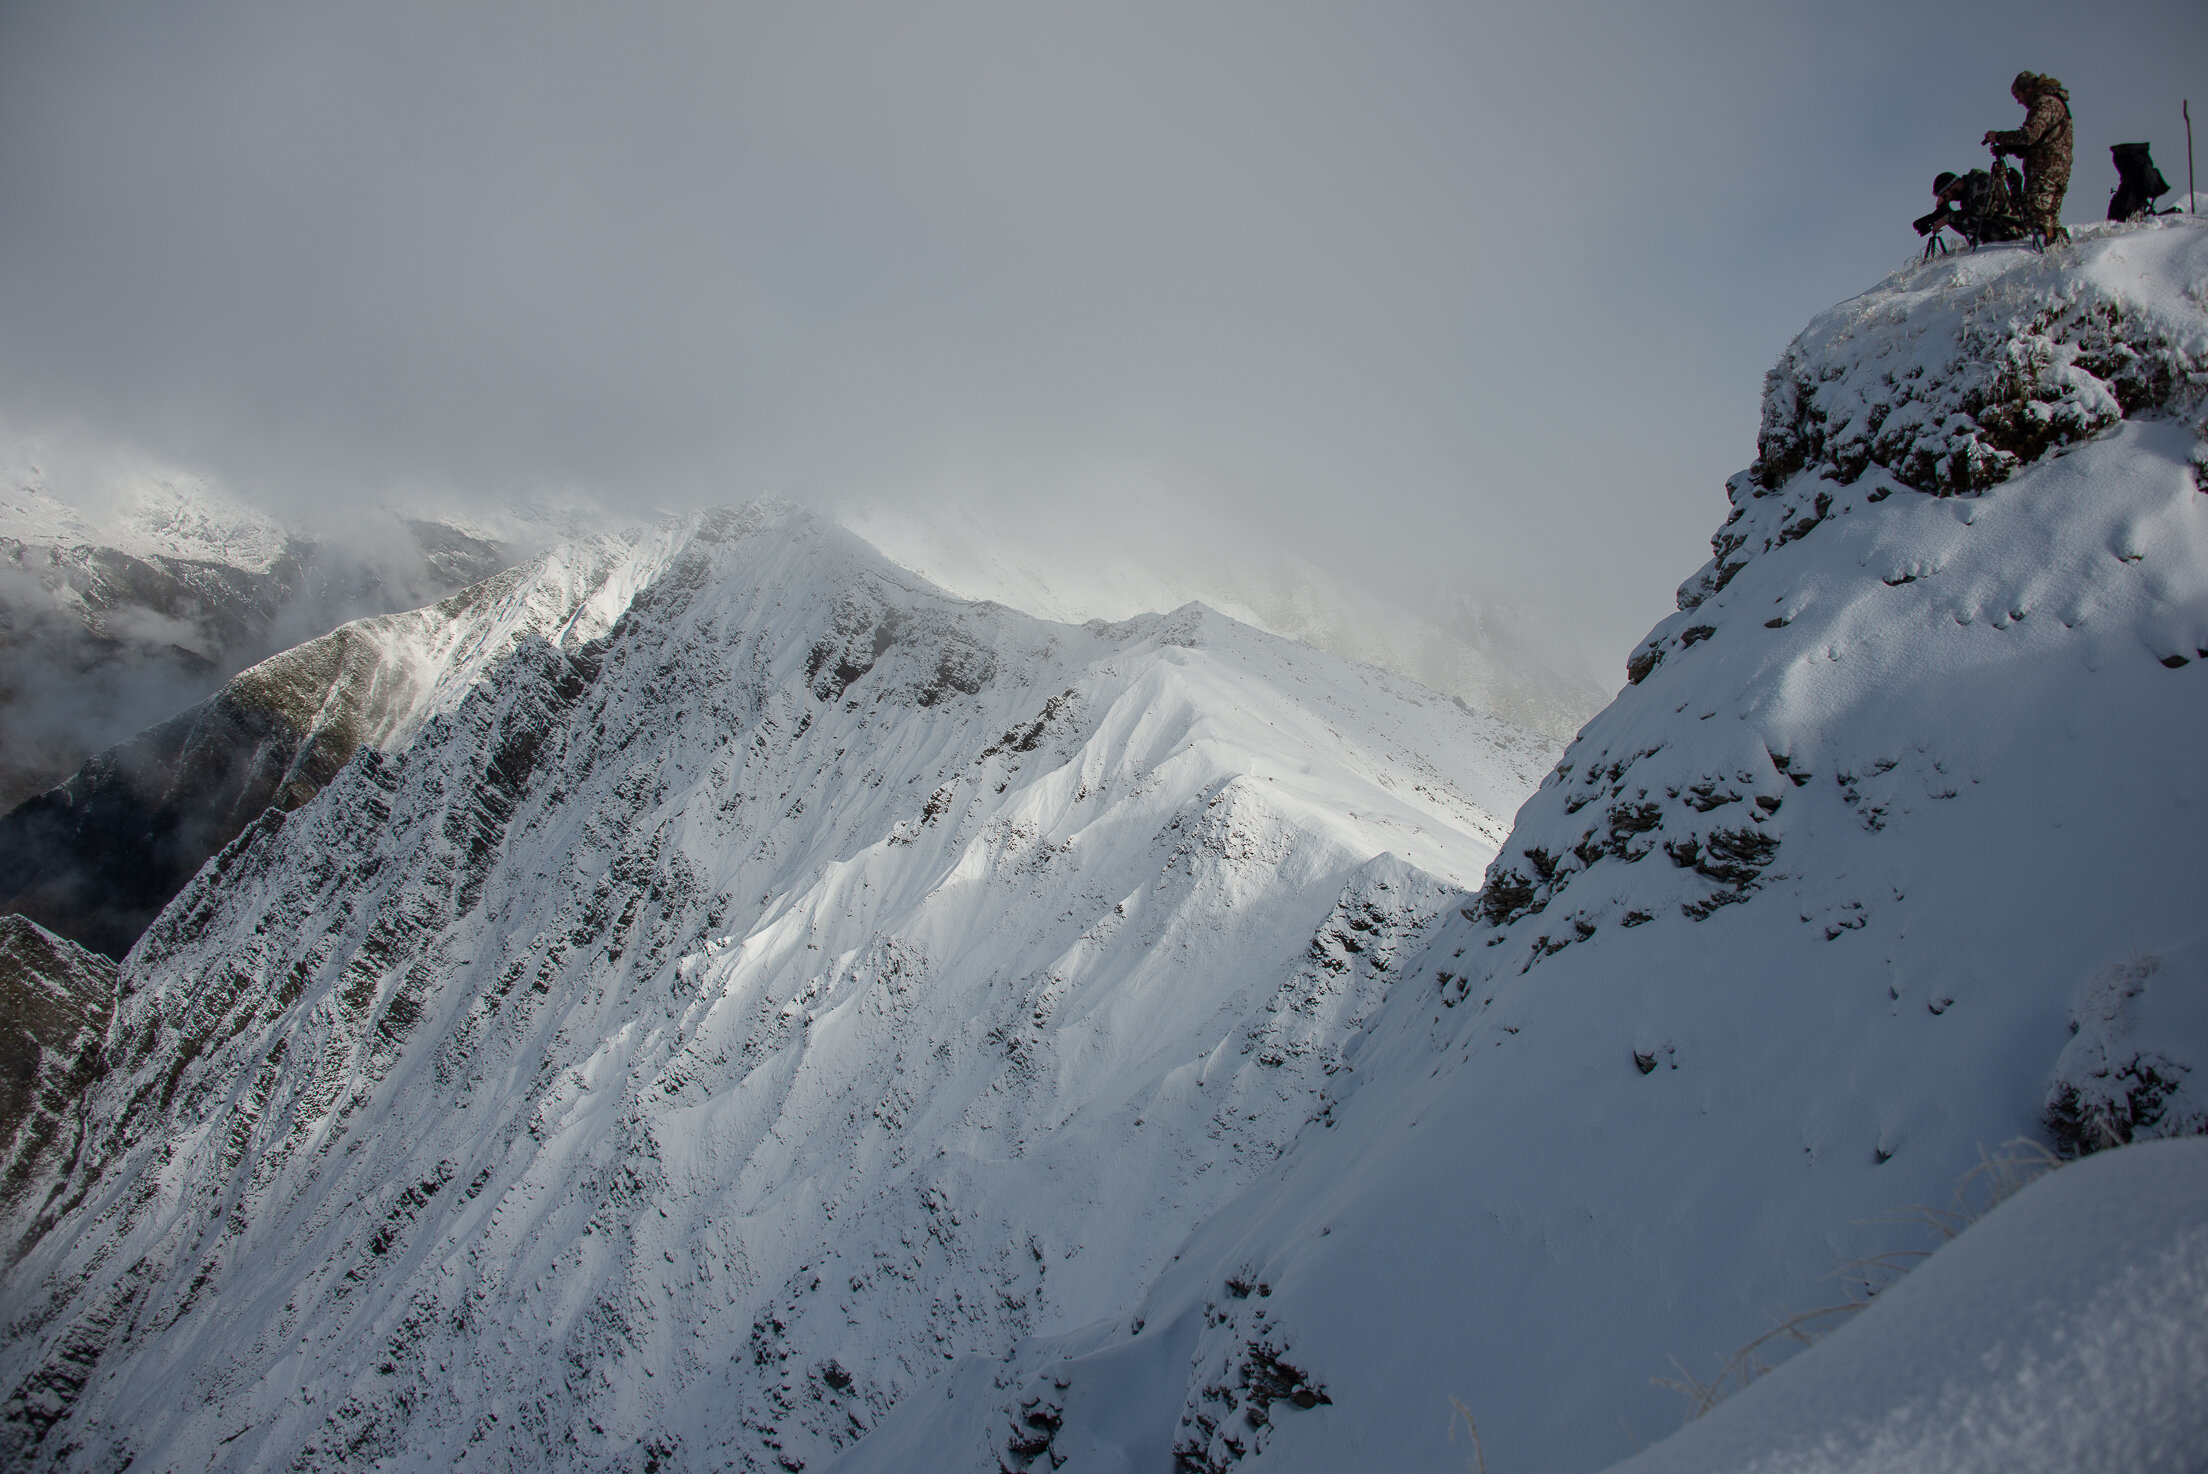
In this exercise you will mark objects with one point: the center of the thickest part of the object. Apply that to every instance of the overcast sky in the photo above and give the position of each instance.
(1432, 291)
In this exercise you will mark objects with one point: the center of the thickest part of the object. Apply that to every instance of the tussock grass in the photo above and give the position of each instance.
(1999, 1176)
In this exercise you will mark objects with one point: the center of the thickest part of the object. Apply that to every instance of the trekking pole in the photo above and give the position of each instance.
(2192, 201)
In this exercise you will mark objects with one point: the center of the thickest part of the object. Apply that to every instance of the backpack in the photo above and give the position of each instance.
(1988, 203)
(2138, 183)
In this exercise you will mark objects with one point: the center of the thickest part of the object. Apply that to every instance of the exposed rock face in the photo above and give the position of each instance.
(702, 1033)
(96, 858)
(55, 1003)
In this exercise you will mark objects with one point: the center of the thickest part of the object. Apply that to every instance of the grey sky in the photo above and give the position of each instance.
(1430, 290)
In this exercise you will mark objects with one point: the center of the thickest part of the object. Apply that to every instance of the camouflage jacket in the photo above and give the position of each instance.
(2044, 140)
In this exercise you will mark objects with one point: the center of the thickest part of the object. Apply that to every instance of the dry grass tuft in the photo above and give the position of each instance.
(1999, 1176)
(1477, 1464)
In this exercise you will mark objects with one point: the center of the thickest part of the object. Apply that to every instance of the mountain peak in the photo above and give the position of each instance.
(757, 986)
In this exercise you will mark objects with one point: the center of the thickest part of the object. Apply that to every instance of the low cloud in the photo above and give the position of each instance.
(1428, 291)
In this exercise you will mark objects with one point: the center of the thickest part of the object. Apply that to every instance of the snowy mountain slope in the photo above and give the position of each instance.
(96, 858)
(2063, 1332)
(115, 616)
(1159, 553)
(1891, 854)
(698, 1037)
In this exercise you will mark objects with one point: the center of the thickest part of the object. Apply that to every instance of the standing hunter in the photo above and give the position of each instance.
(2043, 143)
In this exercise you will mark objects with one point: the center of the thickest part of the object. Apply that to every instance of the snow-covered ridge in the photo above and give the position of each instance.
(701, 1033)
(1893, 857)
(1156, 552)
(823, 1022)
(95, 858)
(121, 611)
(375, 681)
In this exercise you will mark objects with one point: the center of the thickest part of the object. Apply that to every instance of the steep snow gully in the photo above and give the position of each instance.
(816, 1022)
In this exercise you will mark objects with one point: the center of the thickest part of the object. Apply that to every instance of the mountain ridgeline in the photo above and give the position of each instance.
(716, 1024)
(1888, 857)
(727, 1004)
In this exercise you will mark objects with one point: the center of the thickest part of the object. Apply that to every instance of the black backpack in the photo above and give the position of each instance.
(2138, 183)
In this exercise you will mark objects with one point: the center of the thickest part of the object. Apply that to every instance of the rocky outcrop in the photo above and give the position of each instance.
(1945, 382)
(1949, 380)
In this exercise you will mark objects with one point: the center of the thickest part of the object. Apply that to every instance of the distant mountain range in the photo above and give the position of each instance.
(113, 622)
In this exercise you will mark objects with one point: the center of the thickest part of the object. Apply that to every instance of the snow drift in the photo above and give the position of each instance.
(2063, 1332)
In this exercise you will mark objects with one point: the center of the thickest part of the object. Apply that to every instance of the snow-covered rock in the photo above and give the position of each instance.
(700, 1036)
(823, 1021)
(156, 513)
(1891, 855)
(1157, 552)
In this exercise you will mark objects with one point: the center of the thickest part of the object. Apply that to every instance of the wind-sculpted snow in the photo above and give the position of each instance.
(2062, 1333)
(703, 1034)
(1892, 858)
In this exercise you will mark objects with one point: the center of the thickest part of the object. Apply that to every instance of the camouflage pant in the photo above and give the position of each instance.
(2042, 207)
